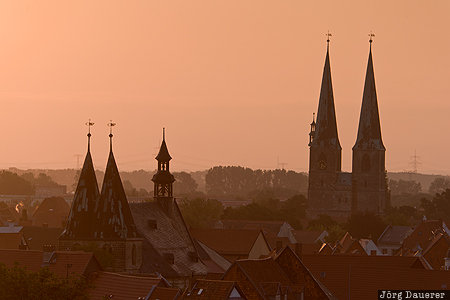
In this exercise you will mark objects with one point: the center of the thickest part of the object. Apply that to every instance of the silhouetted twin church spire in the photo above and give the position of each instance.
(107, 215)
(330, 190)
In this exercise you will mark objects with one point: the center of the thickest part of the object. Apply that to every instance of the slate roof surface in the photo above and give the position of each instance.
(326, 128)
(394, 235)
(123, 287)
(213, 260)
(170, 236)
(369, 129)
(227, 241)
(113, 215)
(81, 218)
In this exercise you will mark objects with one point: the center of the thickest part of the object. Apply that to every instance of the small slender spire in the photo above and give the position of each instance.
(164, 134)
(111, 125)
(89, 124)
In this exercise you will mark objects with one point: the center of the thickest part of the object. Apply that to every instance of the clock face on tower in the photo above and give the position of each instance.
(322, 165)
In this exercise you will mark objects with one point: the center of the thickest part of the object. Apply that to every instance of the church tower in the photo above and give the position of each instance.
(81, 218)
(325, 150)
(163, 180)
(369, 187)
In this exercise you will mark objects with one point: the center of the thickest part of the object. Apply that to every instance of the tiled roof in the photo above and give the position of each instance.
(227, 241)
(272, 226)
(76, 263)
(36, 237)
(334, 270)
(211, 289)
(169, 236)
(164, 293)
(307, 237)
(123, 287)
(52, 211)
(422, 235)
(394, 235)
(31, 260)
(213, 260)
(437, 251)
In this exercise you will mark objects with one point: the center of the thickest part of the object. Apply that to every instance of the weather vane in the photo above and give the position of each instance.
(89, 124)
(111, 125)
(328, 34)
(371, 36)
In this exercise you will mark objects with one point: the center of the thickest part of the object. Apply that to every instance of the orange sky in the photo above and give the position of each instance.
(234, 81)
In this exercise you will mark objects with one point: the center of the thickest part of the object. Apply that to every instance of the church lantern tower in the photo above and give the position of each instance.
(163, 180)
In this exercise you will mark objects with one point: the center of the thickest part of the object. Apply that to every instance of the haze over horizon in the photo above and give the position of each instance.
(233, 82)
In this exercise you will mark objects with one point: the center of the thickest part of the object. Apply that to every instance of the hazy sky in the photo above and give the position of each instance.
(234, 82)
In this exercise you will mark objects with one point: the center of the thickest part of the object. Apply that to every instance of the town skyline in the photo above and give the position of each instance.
(234, 93)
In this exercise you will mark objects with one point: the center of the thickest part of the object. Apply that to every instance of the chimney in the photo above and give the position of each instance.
(447, 261)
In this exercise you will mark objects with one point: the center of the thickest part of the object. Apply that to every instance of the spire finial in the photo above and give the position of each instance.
(328, 35)
(89, 124)
(164, 134)
(371, 36)
(314, 117)
(111, 125)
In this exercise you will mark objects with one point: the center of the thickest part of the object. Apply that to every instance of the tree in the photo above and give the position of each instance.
(18, 283)
(438, 207)
(13, 184)
(201, 213)
(404, 187)
(366, 225)
(129, 189)
(439, 185)
(403, 216)
(184, 184)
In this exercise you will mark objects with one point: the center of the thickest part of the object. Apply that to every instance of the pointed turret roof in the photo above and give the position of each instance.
(163, 154)
(369, 130)
(82, 214)
(114, 219)
(326, 127)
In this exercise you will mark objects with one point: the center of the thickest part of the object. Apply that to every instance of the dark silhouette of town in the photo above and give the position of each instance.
(229, 232)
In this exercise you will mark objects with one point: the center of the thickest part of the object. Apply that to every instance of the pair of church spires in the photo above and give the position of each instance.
(104, 215)
(325, 128)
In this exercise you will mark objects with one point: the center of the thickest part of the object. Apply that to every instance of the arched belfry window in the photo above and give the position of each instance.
(365, 163)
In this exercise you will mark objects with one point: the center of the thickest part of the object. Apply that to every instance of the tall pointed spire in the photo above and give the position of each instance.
(114, 219)
(82, 213)
(369, 130)
(326, 127)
